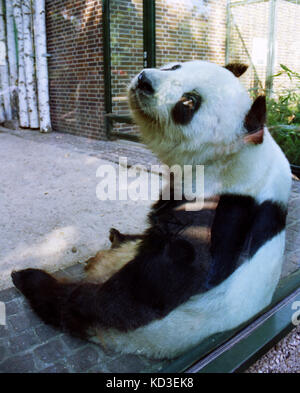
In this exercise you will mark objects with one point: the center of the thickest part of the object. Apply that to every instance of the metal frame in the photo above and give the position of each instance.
(149, 60)
(236, 350)
(271, 45)
(107, 65)
(244, 2)
(237, 3)
(228, 29)
(253, 341)
(149, 33)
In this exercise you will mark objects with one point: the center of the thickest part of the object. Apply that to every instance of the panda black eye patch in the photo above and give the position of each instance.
(185, 108)
(174, 68)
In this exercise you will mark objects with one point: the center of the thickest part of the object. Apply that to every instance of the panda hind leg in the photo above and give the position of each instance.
(117, 238)
(107, 262)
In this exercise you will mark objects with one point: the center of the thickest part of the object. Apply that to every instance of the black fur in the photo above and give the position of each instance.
(183, 114)
(183, 253)
(256, 117)
(237, 69)
(173, 68)
(240, 228)
(117, 238)
(144, 83)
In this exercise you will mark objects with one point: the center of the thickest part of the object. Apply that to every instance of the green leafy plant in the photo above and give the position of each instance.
(289, 141)
(284, 115)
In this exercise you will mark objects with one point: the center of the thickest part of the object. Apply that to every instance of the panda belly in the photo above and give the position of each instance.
(243, 294)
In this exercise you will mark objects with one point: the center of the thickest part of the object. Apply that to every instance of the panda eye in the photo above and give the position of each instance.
(186, 107)
(175, 67)
(192, 100)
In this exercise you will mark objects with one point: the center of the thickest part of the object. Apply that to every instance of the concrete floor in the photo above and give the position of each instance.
(52, 219)
(50, 214)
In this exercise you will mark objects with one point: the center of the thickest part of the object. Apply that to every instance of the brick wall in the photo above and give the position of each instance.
(76, 66)
(185, 30)
(126, 52)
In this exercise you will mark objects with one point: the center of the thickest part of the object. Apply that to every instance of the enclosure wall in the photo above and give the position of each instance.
(185, 30)
(74, 40)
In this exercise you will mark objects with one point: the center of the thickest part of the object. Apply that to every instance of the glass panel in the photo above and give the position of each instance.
(249, 43)
(185, 32)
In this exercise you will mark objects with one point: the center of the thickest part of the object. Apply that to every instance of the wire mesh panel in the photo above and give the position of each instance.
(287, 43)
(247, 40)
(190, 29)
(264, 34)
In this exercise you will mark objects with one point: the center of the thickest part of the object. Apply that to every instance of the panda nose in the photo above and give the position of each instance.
(144, 83)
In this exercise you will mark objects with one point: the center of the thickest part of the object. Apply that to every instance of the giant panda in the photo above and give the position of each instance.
(193, 272)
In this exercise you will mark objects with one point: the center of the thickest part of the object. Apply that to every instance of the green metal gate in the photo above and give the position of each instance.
(129, 46)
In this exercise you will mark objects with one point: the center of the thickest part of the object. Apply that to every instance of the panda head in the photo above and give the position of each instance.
(190, 104)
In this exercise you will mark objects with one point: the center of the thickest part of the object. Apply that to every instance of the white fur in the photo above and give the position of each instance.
(214, 139)
(214, 127)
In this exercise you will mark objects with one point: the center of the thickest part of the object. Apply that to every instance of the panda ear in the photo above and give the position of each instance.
(237, 69)
(255, 120)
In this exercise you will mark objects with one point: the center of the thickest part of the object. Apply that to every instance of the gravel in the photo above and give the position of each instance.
(284, 357)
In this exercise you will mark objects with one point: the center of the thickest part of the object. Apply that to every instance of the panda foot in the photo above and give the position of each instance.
(29, 281)
(115, 237)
